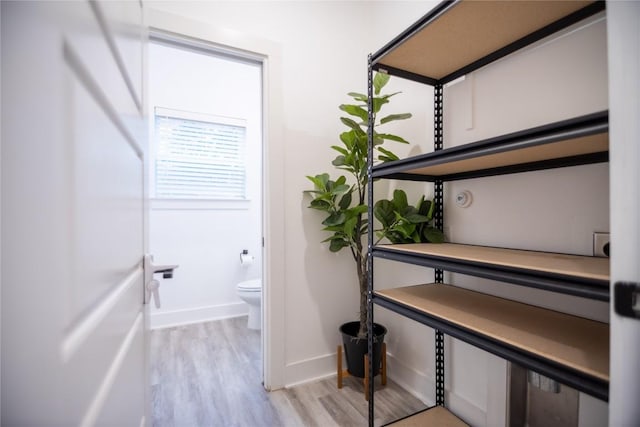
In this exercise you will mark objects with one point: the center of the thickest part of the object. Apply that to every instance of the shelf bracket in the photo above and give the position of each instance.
(626, 296)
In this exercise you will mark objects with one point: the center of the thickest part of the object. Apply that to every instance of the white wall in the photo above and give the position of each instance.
(206, 238)
(324, 46)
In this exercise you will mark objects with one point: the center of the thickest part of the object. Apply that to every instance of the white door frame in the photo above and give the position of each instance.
(268, 54)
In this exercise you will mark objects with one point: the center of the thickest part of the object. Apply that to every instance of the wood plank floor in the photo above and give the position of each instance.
(208, 374)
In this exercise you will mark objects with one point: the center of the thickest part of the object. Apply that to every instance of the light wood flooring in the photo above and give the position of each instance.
(208, 374)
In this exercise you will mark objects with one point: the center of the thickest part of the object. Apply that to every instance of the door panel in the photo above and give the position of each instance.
(107, 184)
(112, 406)
(92, 361)
(73, 337)
(117, 409)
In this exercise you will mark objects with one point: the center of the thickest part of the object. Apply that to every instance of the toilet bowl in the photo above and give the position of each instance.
(250, 291)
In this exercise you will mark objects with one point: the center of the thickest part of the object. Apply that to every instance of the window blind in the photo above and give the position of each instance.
(199, 159)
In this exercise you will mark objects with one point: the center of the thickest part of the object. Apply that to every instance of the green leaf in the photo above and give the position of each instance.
(358, 96)
(356, 111)
(395, 237)
(324, 196)
(349, 164)
(383, 211)
(340, 189)
(338, 161)
(328, 239)
(432, 207)
(363, 144)
(400, 200)
(335, 219)
(379, 81)
(423, 206)
(322, 205)
(390, 95)
(320, 181)
(359, 209)
(349, 138)
(345, 201)
(363, 172)
(433, 235)
(349, 227)
(340, 150)
(392, 138)
(337, 244)
(406, 229)
(393, 117)
(415, 218)
(388, 154)
(352, 124)
(378, 103)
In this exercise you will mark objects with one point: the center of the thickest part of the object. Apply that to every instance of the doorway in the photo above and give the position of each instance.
(205, 176)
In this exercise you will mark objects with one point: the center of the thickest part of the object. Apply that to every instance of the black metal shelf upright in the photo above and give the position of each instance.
(581, 140)
(438, 198)
(370, 199)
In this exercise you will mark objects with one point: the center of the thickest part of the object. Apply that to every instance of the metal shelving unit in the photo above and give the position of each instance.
(432, 51)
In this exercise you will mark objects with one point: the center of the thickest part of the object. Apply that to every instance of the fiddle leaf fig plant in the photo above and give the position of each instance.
(403, 223)
(344, 202)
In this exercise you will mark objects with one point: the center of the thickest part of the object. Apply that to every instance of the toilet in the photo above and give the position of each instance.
(250, 291)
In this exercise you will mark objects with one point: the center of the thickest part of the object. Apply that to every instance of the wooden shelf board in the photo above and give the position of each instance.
(576, 266)
(562, 149)
(570, 341)
(471, 30)
(437, 416)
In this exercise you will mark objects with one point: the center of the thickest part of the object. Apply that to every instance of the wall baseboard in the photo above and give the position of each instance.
(309, 370)
(169, 319)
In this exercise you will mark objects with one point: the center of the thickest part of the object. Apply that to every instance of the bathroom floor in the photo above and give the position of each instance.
(208, 374)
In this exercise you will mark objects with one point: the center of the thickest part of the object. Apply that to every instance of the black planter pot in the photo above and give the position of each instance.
(355, 348)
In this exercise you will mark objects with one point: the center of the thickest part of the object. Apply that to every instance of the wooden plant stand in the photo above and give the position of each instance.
(383, 369)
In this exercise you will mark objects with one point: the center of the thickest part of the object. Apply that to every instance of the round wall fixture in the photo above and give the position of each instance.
(464, 199)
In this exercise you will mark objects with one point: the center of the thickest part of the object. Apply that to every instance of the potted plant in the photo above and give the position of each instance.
(344, 203)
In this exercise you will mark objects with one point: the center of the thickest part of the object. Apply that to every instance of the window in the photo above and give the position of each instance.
(198, 156)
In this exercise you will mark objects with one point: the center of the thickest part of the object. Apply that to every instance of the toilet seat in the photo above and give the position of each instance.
(250, 286)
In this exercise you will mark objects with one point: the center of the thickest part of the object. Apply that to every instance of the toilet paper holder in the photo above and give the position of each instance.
(245, 258)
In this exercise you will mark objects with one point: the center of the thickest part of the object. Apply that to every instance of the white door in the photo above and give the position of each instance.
(73, 320)
(623, 35)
